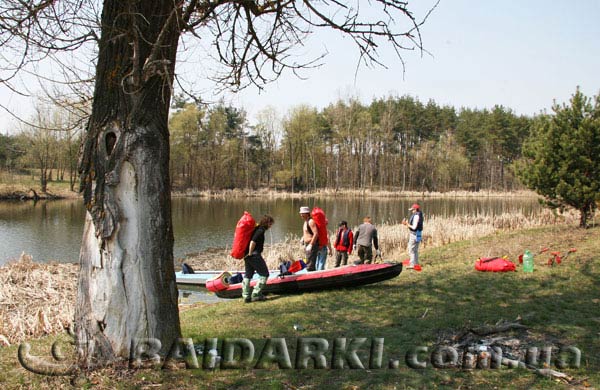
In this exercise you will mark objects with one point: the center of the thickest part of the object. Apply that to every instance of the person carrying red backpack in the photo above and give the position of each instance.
(343, 244)
(254, 262)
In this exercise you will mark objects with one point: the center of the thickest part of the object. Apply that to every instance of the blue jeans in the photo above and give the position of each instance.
(321, 258)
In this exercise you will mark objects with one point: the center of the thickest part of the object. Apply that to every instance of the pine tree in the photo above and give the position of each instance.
(562, 156)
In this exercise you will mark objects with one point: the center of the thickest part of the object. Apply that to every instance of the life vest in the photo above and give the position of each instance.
(318, 215)
(343, 238)
(242, 236)
(419, 224)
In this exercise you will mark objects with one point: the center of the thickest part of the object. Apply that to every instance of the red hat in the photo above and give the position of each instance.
(414, 207)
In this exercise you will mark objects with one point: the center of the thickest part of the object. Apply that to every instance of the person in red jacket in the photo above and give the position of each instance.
(343, 244)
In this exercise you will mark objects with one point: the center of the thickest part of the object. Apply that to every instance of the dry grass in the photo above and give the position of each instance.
(35, 299)
(219, 259)
(443, 230)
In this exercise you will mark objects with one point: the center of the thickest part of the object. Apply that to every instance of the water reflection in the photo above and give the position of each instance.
(51, 230)
(47, 230)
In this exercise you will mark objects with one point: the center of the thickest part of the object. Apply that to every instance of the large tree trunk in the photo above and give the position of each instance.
(127, 290)
(586, 212)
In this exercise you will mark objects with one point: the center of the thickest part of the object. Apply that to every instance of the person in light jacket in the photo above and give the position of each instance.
(415, 226)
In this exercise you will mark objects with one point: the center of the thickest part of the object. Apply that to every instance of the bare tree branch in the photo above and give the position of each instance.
(254, 42)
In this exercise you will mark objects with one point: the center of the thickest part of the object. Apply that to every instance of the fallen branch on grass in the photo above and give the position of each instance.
(550, 373)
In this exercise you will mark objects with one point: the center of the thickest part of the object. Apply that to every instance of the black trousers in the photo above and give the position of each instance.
(255, 263)
(365, 253)
(341, 258)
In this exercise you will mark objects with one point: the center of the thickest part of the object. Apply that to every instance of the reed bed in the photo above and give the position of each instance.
(35, 299)
(443, 230)
(219, 259)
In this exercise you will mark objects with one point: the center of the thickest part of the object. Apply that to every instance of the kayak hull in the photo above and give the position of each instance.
(347, 276)
(200, 278)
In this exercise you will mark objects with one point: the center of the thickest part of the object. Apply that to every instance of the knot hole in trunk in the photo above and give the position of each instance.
(110, 139)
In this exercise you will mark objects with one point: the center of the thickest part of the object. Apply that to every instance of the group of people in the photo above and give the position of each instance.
(345, 241)
(363, 241)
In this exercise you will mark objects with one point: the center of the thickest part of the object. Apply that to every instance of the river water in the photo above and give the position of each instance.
(52, 230)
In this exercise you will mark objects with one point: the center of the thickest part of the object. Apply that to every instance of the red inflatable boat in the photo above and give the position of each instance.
(347, 276)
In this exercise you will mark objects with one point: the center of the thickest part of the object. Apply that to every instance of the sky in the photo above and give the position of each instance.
(523, 55)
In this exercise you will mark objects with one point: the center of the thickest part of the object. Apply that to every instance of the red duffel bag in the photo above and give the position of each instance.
(494, 264)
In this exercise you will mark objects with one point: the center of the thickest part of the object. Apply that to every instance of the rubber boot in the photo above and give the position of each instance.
(257, 294)
(246, 289)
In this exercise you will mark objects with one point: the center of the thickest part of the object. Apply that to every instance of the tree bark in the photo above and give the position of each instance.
(43, 180)
(127, 292)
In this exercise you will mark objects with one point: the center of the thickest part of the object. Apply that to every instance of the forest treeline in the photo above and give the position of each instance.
(46, 148)
(393, 143)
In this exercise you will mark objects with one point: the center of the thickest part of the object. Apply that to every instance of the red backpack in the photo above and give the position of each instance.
(243, 235)
(318, 215)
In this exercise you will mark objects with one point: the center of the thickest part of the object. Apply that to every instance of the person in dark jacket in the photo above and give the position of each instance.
(344, 240)
(366, 235)
(254, 262)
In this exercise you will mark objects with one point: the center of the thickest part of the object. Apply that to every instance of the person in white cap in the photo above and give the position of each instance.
(415, 226)
(310, 237)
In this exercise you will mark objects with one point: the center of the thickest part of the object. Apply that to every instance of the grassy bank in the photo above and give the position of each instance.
(558, 306)
(15, 186)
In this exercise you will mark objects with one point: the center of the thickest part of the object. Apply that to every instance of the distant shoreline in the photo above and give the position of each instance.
(17, 192)
(21, 192)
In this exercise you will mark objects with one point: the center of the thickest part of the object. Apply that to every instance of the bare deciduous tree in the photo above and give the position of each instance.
(127, 286)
